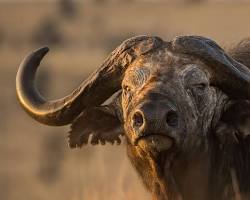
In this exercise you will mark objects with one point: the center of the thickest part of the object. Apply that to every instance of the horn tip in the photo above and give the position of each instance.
(42, 51)
(37, 55)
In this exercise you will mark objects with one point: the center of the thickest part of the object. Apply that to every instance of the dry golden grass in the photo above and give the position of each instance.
(32, 167)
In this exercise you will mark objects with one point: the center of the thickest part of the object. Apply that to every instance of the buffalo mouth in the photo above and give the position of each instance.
(158, 142)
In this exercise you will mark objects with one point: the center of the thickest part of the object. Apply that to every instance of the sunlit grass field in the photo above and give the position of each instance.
(35, 161)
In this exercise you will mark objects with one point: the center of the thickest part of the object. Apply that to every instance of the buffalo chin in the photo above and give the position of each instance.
(155, 143)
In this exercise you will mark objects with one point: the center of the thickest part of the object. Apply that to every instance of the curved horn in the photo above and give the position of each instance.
(92, 92)
(228, 74)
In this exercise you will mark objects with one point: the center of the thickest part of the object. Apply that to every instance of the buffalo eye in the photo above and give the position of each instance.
(127, 92)
(199, 88)
(198, 93)
(126, 89)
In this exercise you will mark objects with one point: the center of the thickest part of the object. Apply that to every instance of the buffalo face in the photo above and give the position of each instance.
(169, 102)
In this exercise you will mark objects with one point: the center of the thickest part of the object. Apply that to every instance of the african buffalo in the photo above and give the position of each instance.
(182, 105)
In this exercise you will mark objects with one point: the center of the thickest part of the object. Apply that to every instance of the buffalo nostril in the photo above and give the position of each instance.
(172, 118)
(137, 119)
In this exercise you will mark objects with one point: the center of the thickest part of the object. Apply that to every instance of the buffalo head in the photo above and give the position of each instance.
(177, 103)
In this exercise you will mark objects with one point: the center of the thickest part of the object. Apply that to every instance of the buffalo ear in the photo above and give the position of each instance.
(101, 123)
(235, 123)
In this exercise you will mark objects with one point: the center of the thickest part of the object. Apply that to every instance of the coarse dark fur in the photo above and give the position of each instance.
(185, 116)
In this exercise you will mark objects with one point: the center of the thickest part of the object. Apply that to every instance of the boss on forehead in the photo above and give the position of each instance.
(182, 107)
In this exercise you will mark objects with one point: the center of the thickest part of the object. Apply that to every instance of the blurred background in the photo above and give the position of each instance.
(35, 161)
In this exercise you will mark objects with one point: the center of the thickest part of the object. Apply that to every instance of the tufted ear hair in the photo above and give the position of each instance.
(238, 116)
(98, 125)
(228, 74)
(230, 146)
(234, 125)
